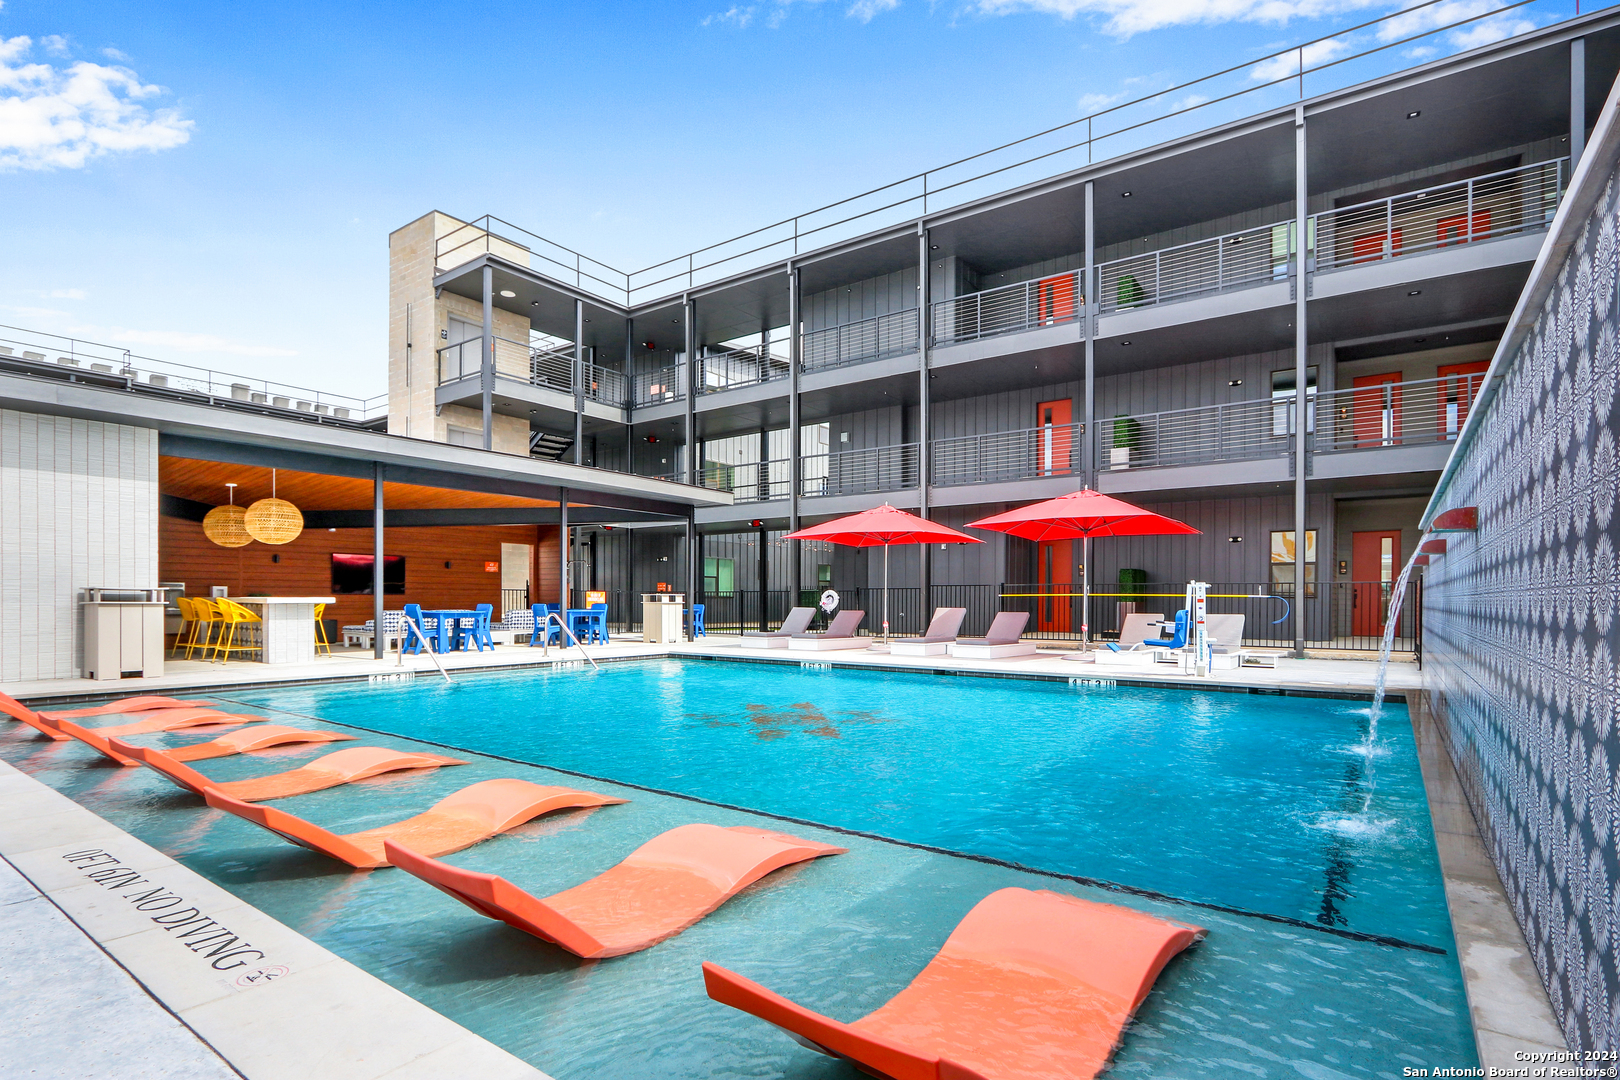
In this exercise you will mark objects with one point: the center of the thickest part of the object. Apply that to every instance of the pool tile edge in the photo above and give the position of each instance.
(348, 1023)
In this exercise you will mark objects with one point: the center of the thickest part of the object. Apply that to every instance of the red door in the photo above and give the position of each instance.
(1054, 299)
(1375, 560)
(1375, 409)
(1455, 229)
(1054, 560)
(1458, 387)
(1370, 248)
(1054, 438)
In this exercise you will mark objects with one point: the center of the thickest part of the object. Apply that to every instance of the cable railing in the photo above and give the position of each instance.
(726, 369)
(1499, 204)
(659, 386)
(1236, 260)
(755, 481)
(1364, 51)
(606, 385)
(856, 472)
(34, 352)
(1231, 431)
(1394, 413)
(1029, 453)
(1007, 309)
(877, 338)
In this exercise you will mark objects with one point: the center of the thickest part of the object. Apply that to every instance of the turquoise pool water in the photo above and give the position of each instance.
(1242, 802)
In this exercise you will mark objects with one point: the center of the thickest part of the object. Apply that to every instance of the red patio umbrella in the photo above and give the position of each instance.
(884, 525)
(1081, 515)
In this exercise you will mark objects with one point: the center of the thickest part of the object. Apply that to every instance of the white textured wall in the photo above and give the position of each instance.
(78, 507)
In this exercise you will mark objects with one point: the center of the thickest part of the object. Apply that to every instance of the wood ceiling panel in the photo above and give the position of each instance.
(204, 481)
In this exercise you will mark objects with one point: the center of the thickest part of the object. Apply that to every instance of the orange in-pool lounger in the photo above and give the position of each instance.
(18, 711)
(471, 815)
(1029, 986)
(666, 885)
(167, 720)
(129, 705)
(249, 739)
(341, 767)
(49, 723)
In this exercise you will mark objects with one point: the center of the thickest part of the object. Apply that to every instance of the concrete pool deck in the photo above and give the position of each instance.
(1508, 1006)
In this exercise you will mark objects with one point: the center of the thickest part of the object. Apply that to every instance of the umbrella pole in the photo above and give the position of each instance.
(885, 592)
(1085, 591)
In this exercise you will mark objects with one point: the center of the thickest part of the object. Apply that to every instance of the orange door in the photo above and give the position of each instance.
(1374, 561)
(1459, 386)
(1370, 248)
(1375, 409)
(1054, 560)
(1455, 229)
(1054, 299)
(1054, 438)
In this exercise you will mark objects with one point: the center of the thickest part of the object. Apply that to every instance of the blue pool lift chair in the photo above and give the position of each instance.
(1176, 640)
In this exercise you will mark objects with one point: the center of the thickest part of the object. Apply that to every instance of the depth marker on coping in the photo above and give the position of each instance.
(1079, 879)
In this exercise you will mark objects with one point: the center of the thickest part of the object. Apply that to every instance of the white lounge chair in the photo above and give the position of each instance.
(999, 642)
(797, 622)
(1135, 638)
(940, 636)
(840, 635)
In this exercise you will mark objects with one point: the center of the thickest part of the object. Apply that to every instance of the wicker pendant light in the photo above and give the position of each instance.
(273, 520)
(225, 525)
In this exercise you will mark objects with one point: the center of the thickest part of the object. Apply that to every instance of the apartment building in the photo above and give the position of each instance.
(1146, 325)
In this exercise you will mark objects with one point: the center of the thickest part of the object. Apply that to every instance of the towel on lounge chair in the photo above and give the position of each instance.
(471, 815)
(797, 622)
(1029, 984)
(341, 767)
(1005, 629)
(664, 886)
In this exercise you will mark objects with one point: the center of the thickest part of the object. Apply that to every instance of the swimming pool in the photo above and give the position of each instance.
(1236, 803)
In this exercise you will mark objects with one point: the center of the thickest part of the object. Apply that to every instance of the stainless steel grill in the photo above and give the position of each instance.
(888, 335)
(1053, 450)
(1007, 309)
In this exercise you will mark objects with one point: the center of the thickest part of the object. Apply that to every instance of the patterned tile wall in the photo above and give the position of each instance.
(78, 507)
(1521, 637)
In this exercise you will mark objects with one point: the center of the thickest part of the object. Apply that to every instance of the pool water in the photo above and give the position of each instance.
(1224, 804)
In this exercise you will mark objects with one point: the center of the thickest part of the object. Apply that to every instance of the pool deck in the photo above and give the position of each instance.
(379, 1032)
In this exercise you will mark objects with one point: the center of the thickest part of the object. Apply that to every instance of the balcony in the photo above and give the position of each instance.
(1007, 309)
(1424, 413)
(659, 387)
(755, 481)
(1007, 455)
(894, 334)
(548, 368)
(858, 472)
(728, 369)
(1233, 261)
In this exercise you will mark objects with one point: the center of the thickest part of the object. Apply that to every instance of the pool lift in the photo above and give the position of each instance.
(544, 630)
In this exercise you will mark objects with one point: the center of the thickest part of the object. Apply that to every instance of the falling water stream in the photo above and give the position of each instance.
(1392, 622)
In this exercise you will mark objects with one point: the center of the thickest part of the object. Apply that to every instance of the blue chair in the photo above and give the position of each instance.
(478, 633)
(552, 631)
(1177, 640)
(697, 621)
(412, 642)
(599, 623)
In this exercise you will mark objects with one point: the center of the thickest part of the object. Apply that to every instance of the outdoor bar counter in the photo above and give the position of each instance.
(288, 626)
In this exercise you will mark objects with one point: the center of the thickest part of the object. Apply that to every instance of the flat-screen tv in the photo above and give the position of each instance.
(352, 573)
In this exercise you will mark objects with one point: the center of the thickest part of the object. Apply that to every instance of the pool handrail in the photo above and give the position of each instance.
(545, 638)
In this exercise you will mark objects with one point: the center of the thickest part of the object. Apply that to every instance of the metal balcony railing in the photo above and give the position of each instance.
(1007, 309)
(35, 353)
(660, 386)
(606, 386)
(1499, 204)
(1053, 450)
(1229, 432)
(878, 338)
(726, 369)
(854, 472)
(1394, 413)
(755, 481)
(1235, 260)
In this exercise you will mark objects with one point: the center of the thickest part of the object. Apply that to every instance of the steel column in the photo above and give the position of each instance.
(925, 562)
(1577, 102)
(630, 397)
(1301, 348)
(579, 382)
(1088, 426)
(486, 375)
(379, 639)
(562, 552)
(688, 312)
(691, 556)
(795, 437)
(764, 576)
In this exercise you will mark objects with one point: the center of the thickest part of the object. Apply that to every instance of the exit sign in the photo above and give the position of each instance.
(492, 568)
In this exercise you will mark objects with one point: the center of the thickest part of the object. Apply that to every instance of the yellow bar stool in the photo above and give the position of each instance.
(207, 621)
(321, 641)
(237, 619)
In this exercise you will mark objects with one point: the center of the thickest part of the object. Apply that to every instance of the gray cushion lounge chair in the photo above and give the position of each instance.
(797, 622)
(840, 634)
(940, 636)
(1001, 640)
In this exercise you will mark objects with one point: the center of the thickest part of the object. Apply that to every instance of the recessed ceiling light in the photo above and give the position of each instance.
(1124, 194)
(1414, 114)
(1124, 343)
(934, 247)
(1235, 382)
(1414, 292)
(1420, 340)
(534, 303)
(508, 293)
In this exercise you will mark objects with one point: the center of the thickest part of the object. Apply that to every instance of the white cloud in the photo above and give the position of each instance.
(178, 340)
(738, 16)
(1093, 103)
(1487, 31)
(1285, 64)
(65, 294)
(60, 119)
(867, 10)
(55, 44)
(116, 54)
(1127, 17)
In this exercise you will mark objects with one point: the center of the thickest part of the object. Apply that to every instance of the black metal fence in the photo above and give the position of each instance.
(1340, 615)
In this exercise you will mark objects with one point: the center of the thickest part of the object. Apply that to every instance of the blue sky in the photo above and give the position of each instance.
(214, 184)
